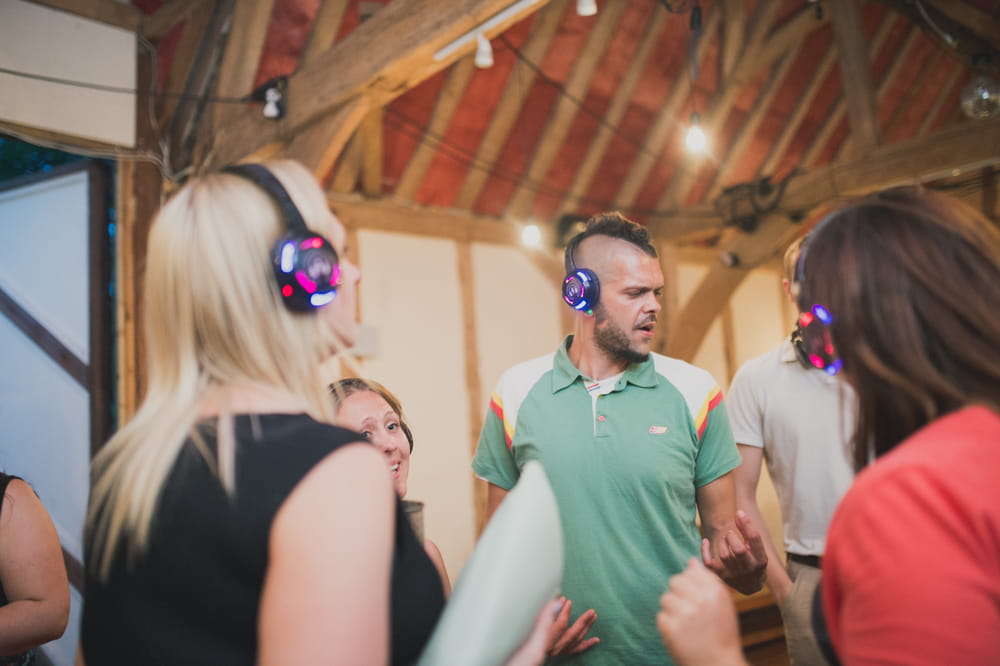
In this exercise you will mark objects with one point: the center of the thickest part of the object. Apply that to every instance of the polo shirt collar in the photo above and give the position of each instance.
(564, 373)
(787, 353)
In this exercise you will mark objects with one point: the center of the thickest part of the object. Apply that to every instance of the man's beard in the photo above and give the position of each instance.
(613, 341)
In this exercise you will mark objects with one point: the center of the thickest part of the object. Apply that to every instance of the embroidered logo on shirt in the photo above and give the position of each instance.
(657, 430)
(593, 387)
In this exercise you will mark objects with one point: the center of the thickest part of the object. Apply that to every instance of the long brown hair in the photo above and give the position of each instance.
(912, 278)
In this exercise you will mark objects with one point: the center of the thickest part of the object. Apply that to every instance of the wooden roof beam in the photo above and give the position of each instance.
(970, 17)
(963, 147)
(791, 125)
(561, 118)
(161, 23)
(836, 112)
(900, 58)
(919, 160)
(240, 61)
(761, 51)
(734, 24)
(514, 95)
(385, 56)
(324, 30)
(856, 74)
(587, 169)
(444, 108)
(665, 122)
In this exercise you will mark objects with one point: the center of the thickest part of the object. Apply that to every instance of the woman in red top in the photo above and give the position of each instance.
(903, 290)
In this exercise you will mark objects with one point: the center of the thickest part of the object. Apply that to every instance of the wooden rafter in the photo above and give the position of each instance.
(515, 93)
(856, 74)
(160, 23)
(324, 30)
(241, 58)
(762, 49)
(348, 167)
(561, 118)
(900, 57)
(970, 17)
(892, 125)
(836, 113)
(943, 96)
(587, 169)
(370, 132)
(746, 133)
(447, 101)
(385, 56)
(791, 125)
(734, 24)
(319, 145)
(663, 124)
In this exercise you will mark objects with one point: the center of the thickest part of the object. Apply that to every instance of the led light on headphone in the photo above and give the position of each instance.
(335, 276)
(805, 319)
(287, 257)
(313, 242)
(582, 305)
(823, 314)
(322, 298)
(306, 283)
(287, 291)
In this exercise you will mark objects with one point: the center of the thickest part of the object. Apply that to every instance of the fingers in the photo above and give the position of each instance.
(560, 622)
(752, 535)
(571, 637)
(532, 652)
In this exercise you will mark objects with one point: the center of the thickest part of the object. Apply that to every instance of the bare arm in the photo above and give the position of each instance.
(32, 571)
(733, 549)
(326, 592)
(747, 477)
(438, 560)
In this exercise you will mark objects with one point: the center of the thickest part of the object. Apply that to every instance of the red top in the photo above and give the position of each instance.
(911, 572)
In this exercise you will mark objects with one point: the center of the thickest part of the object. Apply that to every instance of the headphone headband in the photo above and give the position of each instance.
(306, 266)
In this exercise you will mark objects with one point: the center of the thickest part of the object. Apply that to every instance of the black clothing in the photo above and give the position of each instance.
(193, 596)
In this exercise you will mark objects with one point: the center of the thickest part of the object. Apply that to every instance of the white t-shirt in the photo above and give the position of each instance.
(803, 419)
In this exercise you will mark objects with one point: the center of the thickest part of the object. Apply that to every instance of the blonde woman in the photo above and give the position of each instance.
(228, 522)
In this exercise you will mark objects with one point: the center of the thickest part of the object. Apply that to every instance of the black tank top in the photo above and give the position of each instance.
(194, 595)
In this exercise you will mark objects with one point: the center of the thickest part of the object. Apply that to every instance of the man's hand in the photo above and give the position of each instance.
(697, 620)
(564, 639)
(740, 559)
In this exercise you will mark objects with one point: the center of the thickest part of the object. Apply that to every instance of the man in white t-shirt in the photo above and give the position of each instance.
(798, 419)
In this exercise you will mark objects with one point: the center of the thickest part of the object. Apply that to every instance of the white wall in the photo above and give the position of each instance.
(47, 42)
(410, 295)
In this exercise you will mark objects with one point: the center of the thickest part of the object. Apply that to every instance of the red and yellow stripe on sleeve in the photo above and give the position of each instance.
(713, 399)
(496, 404)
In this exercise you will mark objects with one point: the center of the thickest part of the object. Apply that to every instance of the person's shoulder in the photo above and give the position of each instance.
(527, 372)
(681, 373)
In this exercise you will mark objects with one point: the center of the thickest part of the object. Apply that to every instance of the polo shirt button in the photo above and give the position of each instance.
(601, 417)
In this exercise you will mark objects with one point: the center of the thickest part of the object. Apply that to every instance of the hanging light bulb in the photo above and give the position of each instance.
(484, 52)
(586, 7)
(695, 138)
(981, 98)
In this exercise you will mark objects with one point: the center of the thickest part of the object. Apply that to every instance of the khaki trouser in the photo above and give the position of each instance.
(796, 613)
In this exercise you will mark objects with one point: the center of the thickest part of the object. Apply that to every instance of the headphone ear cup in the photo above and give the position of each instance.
(307, 270)
(581, 289)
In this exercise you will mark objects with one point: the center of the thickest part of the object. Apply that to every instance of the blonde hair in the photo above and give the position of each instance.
(213, 316)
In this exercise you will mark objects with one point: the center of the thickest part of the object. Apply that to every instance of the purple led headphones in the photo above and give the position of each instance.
(581, 289)
(306, 267)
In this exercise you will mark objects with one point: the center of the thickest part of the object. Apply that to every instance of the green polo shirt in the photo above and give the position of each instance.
(624, 473)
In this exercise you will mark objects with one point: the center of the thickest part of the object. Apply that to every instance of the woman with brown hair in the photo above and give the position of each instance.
(901, 290)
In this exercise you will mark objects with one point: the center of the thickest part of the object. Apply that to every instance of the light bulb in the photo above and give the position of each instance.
(586, 7)
(531, 235)
(981, 98)
(484, 52)
(695, 138)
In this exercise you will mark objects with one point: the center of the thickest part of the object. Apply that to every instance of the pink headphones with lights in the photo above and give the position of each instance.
(306, 267)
